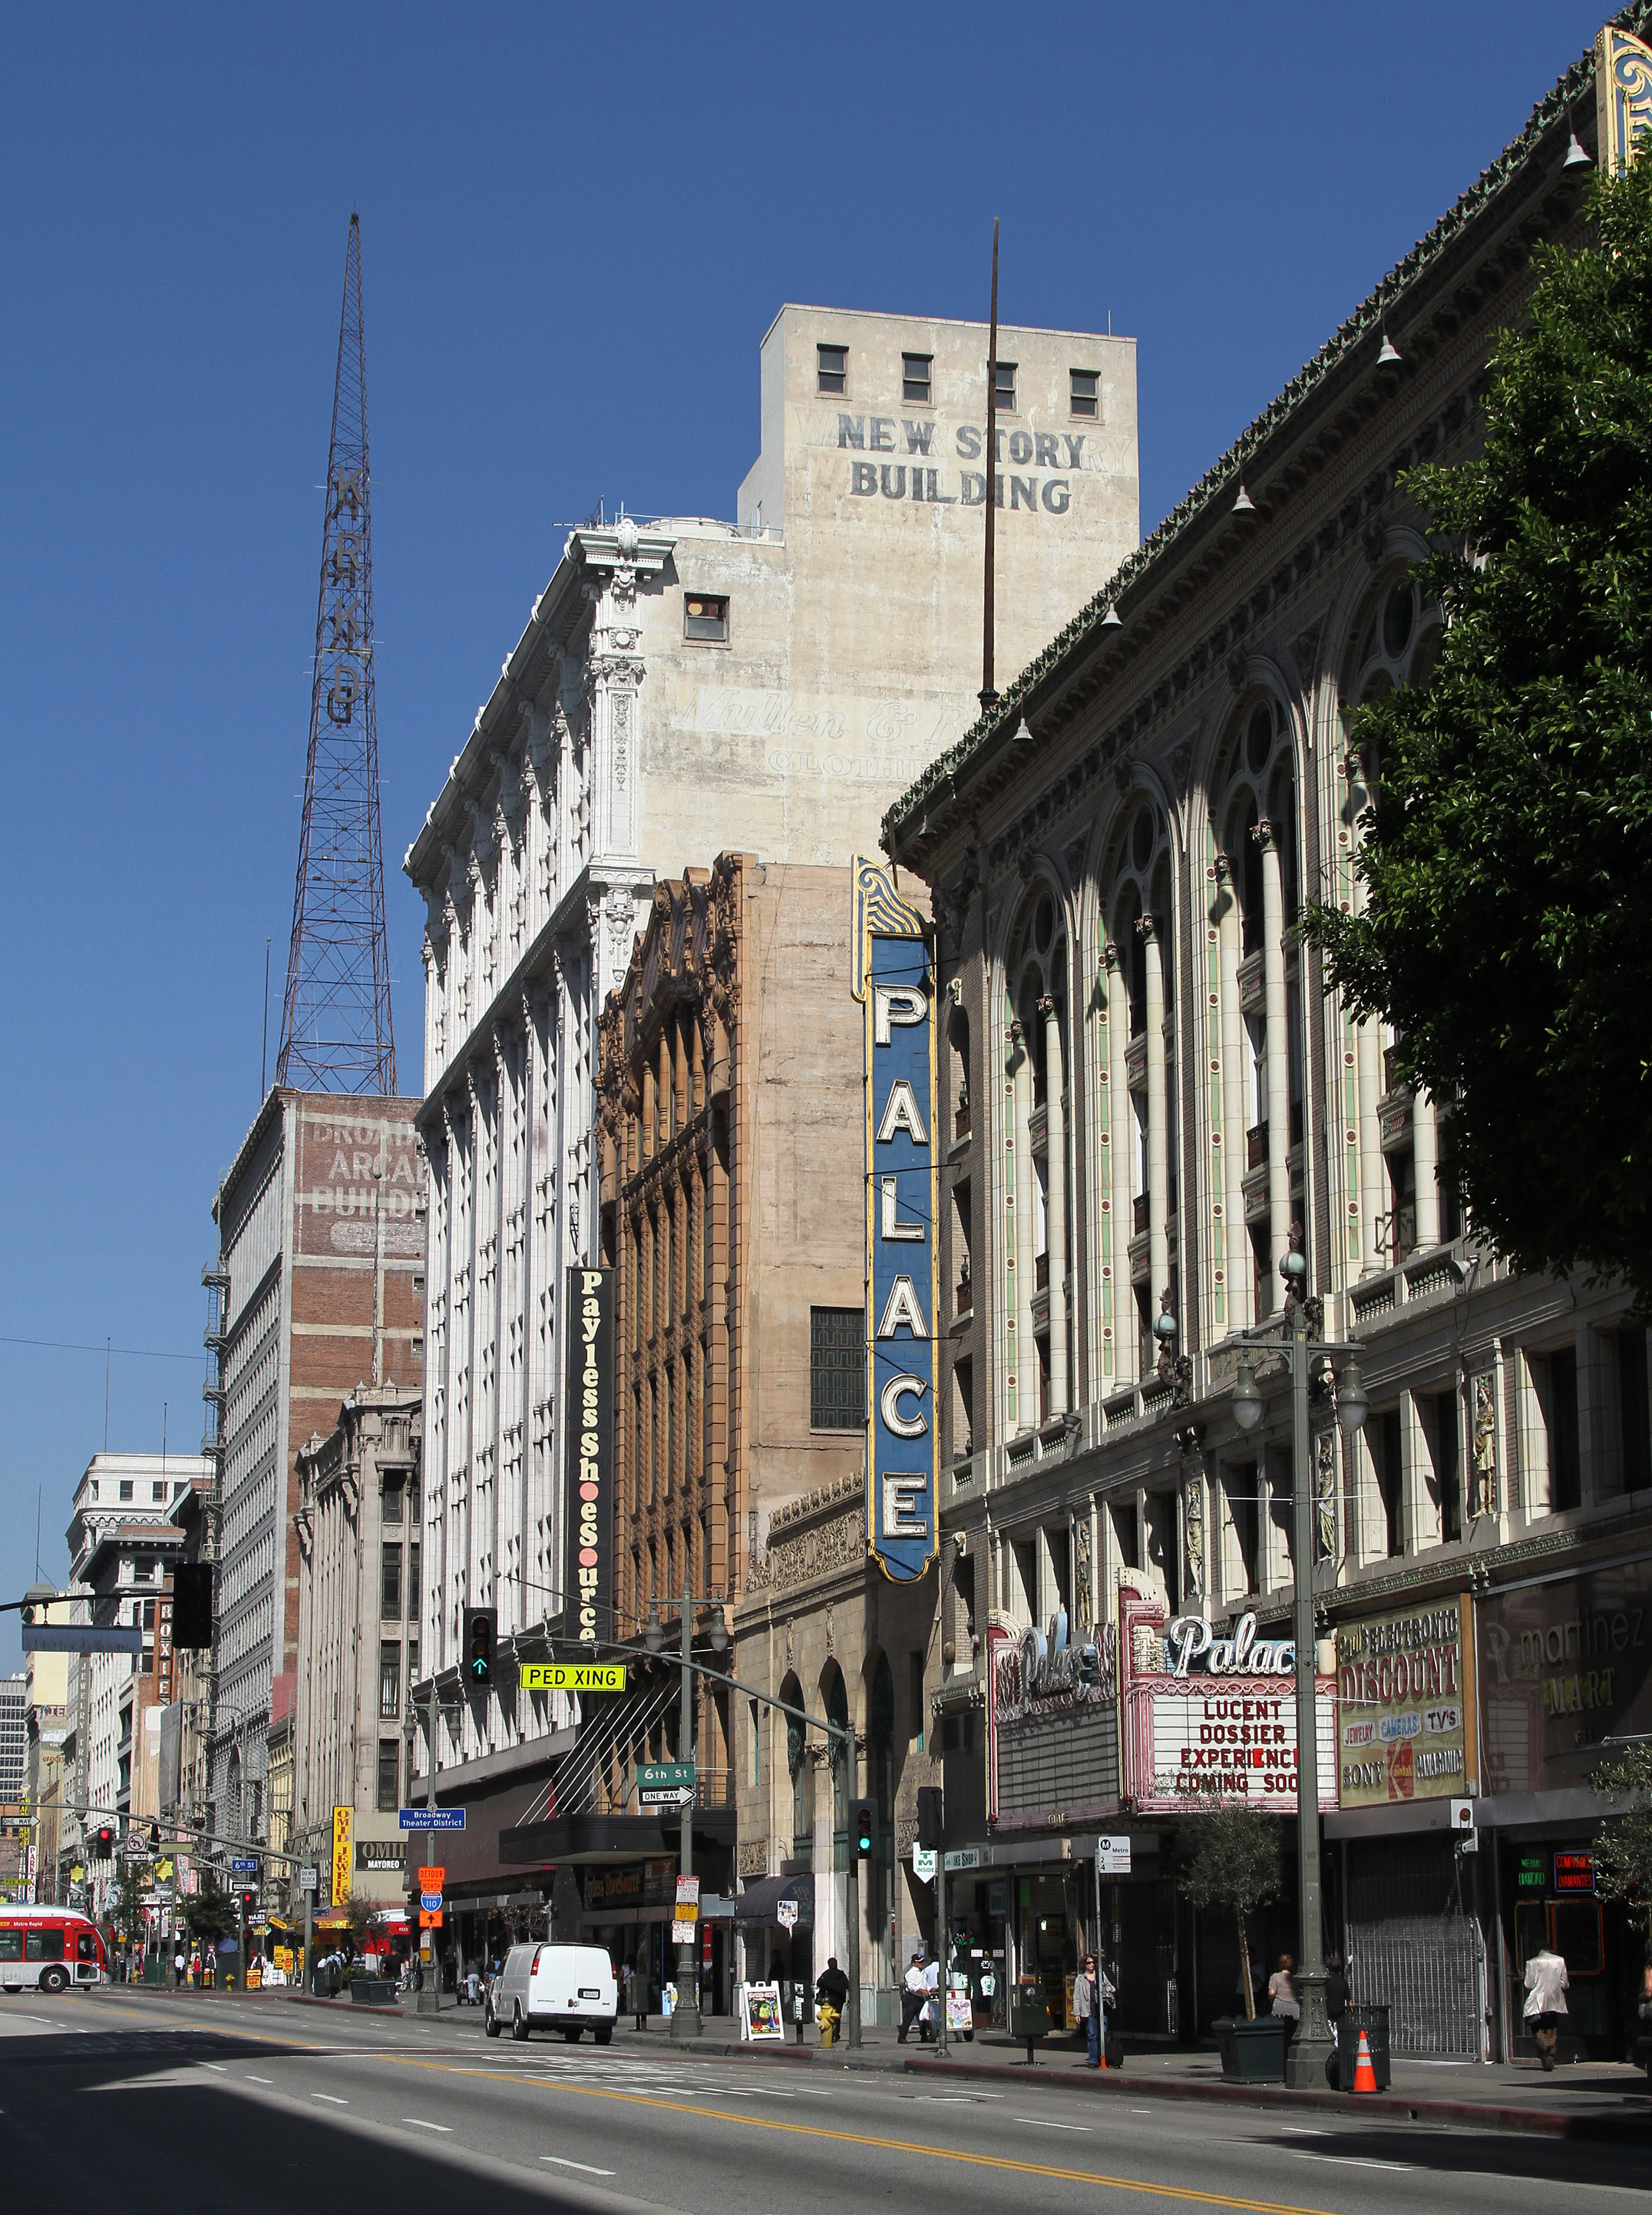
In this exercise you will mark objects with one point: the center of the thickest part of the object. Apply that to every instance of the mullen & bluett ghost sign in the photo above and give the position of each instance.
(894, 979)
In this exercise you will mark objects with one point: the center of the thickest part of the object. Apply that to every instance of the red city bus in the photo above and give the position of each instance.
(48, 1948)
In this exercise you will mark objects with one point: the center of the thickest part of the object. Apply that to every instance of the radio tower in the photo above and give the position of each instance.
(335, 1022)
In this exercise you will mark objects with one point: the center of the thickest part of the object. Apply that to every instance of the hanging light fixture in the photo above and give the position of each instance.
(1578, 156)
(1112, 617)
(1244, 505)
(654, 1636)
(1390, 352)
(1247, 1401)
(1351, 1402)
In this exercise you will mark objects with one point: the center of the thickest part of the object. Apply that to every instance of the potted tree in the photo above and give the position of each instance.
(1623, 1861)
(1235, 1866)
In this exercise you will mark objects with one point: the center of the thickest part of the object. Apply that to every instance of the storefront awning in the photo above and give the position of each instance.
(593, 1841)
(757, 1905)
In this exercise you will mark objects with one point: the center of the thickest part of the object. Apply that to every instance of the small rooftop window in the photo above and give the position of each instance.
(832, 368)
(1086, 397)
(706, 616)
(916, 382)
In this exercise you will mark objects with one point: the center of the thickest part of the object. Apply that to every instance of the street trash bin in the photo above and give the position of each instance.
(1373, 2021)
(1252, 2048)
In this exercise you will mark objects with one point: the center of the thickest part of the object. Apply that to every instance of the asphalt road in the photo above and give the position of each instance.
(168, 2106)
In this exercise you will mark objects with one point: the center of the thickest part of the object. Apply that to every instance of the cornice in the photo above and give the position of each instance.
(1418, 290)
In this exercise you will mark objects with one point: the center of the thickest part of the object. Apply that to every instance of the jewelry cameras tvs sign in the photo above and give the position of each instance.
(894, 978)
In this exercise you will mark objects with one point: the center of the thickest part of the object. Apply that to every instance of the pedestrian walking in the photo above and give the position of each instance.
(928, 2022)
(1336, 1989)
(1546, 1985)
(178, 1966)
(1087, 2007)
(914, 1995)
(831, 1992)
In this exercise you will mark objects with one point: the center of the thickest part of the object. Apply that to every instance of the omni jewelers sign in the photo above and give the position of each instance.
(894, 977)
(588, 1579)
(1211, 1721)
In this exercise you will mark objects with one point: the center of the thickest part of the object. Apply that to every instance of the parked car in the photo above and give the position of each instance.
(566, 1988)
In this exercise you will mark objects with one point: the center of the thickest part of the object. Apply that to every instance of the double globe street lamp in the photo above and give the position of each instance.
(1295, 1327)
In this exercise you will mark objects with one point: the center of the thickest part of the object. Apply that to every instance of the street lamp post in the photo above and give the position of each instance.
(685, 2016)
(1312, 2046)
(839, 1736)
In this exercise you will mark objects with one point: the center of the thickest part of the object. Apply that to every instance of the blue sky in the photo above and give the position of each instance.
(577, 224)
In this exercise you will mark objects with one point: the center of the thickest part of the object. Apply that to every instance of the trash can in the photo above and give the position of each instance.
(1373, 2021)
(1253, 2047)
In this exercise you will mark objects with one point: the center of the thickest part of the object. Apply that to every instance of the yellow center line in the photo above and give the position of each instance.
(747, 2121)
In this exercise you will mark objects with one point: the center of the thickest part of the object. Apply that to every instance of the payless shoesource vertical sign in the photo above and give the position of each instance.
(894, 977)
(588, 1579)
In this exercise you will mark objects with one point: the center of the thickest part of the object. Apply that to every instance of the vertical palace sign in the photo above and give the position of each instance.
(894, 978)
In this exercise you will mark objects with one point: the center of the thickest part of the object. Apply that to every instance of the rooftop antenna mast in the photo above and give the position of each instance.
(335, 1019)
(988, 695)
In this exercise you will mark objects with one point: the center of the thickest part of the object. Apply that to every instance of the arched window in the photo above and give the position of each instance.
(1037, 988)
(1397, 643)
(801, 1771)
(1257, 816)
(1143, 1185)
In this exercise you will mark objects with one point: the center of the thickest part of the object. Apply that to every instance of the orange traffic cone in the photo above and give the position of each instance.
(1365, 2077)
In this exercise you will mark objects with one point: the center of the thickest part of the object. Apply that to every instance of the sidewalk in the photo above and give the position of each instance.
(1607, 2100)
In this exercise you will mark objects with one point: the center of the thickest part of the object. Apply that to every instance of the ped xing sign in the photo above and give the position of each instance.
(571, 1675)
(894, 979)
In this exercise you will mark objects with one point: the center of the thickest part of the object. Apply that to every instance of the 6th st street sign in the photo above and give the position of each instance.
(665, 1783)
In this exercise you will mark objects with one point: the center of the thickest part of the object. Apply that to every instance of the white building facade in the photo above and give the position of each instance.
(684, 687)
(1156, 1097)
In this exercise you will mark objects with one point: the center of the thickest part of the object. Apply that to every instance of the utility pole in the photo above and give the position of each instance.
(688, 1972)
(429, 1993)
(852, 1900)
(988, 695)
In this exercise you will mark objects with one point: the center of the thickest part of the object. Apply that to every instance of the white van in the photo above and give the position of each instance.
(565, 1988)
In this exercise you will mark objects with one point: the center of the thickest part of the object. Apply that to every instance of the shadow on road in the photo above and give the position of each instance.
(133, 2121)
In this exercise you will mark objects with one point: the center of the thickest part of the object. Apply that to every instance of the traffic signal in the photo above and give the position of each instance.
(248, 1902)
(191, 1606)
(866, 1827)
(930, 1817)
(483, 1629)
(103, 1839)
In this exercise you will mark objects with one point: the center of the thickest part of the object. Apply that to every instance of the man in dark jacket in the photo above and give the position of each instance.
(830, 1992)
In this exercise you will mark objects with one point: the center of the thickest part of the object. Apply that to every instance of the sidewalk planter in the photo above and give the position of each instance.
(1373, 2021)
(1252, 2052)
(372, 1992)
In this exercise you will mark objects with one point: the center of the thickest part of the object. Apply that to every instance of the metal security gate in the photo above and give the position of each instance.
(1413, 1945)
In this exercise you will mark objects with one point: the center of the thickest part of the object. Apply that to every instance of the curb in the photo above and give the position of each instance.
(1379, 2106)
(349, 2007)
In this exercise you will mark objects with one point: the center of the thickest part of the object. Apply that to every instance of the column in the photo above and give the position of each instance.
(1027, 1358)
(1236, 1246)
(1117, 1309)
(1374, 1176)
(1158, 1131)
(1279, 1076)
(1425, 1144)
(1056, 1182)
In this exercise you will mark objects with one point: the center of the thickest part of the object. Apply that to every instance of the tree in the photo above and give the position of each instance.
(1623, 1849)
(1507, 863)
(358, 1910)
(208, 1913)
(1235, 1865)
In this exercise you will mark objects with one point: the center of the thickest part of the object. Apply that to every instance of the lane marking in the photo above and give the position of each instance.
(589, 2168)
(222, 2067)
(251, 2079)
(419, 2124)
(741, 2120)
(331, 2099)
(1043, 2123)
(1351, 2161)
(1305, 2131)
